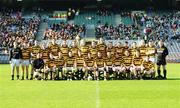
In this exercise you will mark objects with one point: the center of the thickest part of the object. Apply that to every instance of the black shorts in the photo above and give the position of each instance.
(161, 63)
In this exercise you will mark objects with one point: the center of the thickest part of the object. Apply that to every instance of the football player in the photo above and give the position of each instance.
(38, 65)
(54, 49)
(59, 63)
(80, 63)
(119, 49)
(34, 51)
(84, 49)
(110, 48)
(117, 68)
(100, 66)
(148, 68)
(89, 64)
(101, 47)
(109, 61)
(65, 49)
(25, 59)
(127, 64)
(70, 64)
(74, 49)
(151, 51)
(143, 49)
(93, 49)
(137, 65)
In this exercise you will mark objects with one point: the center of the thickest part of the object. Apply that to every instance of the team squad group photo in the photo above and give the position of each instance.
(88, 60)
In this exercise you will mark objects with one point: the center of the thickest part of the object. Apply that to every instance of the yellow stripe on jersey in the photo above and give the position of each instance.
(59, 62)
(112, 50)
(137, 61)
(148, 65)
(94, 52)
(127, 60)
(118, 61)
(143, 51)
(35, 50)
(65, 51)
(45, 54)
(119, 50)
(74, 51)
(54, 49)
(25, 53)
(70, 61)
(109, 61)
(50, 63)
(84, 50)
(80, 62)
(89, 62)
(100, 62)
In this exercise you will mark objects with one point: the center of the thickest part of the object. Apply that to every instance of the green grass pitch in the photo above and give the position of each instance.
(91, 94)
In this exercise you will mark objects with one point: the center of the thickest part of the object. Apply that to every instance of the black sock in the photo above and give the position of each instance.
(164, 71)
(159, 72)
(12, 77)
(26, 77)
(17, 76)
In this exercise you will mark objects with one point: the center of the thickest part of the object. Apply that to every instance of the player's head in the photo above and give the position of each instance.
(110, 44)
(142, 43)
(137, 53)
(117, 55)
(108, 54)
(15, 44)
(126, 53)
(82, 42)
(150, 43)
(99, 54)
(70, 54)
(36, 43)
(64, 43)
(73, 44)
(119, 44)
(134, 45)
(93, 43)
(161, 43)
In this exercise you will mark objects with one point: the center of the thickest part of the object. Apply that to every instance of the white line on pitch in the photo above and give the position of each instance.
(97, 95)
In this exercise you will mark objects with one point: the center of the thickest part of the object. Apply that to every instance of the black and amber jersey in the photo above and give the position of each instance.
(54, 49)
(118, 61)
(65, 51)
(35, 50)
(89, 62)
(137, 61)
(80, 61)
(112, 50)
(127, 60)
(100, 62)
(143, 51)
(109, 61)
(59, 62)
(84, 50)
(132, 51)
(102, 48)
(119, 50)
(93, 51)
(70, 61)
(50, 63)
(45, 54)
(25, 53)
(74, 51)
(151, 51)
(148, 65)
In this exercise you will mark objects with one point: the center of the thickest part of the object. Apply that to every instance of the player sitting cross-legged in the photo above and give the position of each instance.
(117, 67)
(109, 65)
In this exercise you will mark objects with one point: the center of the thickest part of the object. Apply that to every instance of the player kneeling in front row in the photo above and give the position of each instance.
(148, 68)
(69, 67)
(80, 70)
(38, 65)
(137, 65)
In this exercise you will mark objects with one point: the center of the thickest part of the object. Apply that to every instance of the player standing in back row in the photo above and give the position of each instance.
(162, 52)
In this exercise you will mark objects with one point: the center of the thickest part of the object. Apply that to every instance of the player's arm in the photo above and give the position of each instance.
(10, 56)
(75, 63)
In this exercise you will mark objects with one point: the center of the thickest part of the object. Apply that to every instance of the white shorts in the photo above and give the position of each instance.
(25, 62)
(152, 59)
(15, 62)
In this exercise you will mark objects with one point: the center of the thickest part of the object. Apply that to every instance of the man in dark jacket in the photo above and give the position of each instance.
(162, 52)
(15, 59)
(38, 65)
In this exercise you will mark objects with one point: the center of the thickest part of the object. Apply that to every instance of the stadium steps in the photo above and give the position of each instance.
(43, 26)
(118, 19)
(90, 32)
